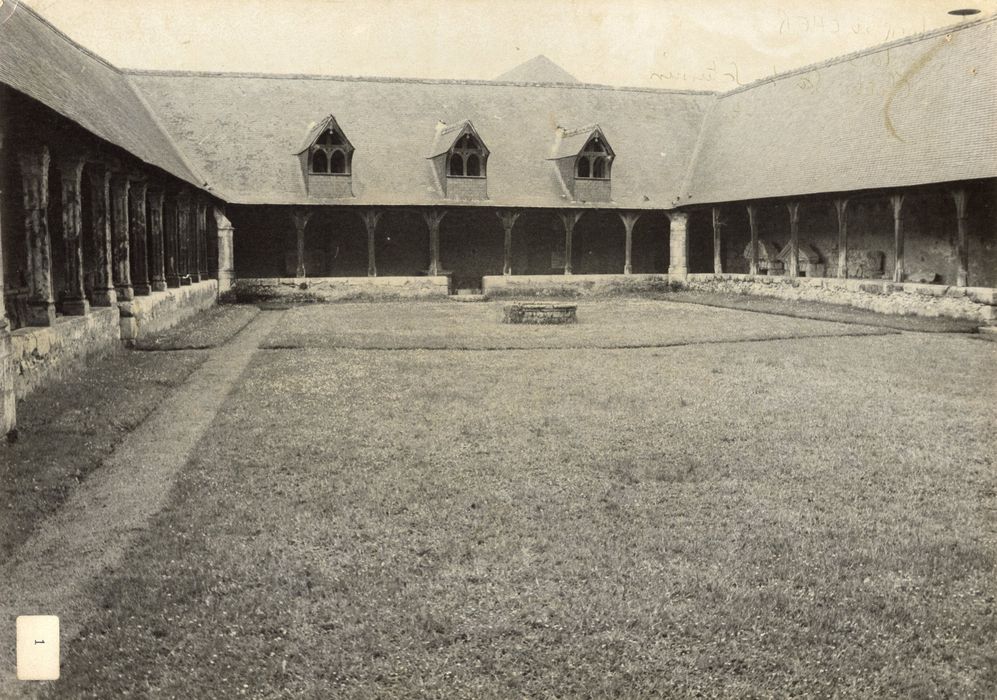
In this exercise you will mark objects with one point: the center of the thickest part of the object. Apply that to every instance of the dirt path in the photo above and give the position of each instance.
(89, 534)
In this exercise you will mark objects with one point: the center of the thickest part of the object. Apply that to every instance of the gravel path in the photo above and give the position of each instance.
(53, 571)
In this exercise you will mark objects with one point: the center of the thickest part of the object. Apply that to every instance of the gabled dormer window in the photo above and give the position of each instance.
(594, 161)
(584, 162)
(326, 157)
(459, 160)
(331, 154)
(467, 158)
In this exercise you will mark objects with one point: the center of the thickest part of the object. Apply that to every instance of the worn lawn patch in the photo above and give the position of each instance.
(209, 329)
(804, 517)
(68, 426)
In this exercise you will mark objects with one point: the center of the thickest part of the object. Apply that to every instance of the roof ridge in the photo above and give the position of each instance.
(861, 53)
(388, 79)
(65, 37)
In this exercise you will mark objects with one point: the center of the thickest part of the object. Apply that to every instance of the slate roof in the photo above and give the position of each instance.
(241, 129)
(41, 62)
(916, 111)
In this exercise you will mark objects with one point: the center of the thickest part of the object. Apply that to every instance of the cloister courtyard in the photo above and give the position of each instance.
(413, 499)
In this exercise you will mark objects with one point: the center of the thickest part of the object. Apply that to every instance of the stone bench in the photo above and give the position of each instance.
(540, 312)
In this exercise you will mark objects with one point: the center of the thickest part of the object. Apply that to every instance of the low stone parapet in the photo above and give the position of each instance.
(42, 353)
(571, 285)
(331, 289)
(159, 311)
(883, 296)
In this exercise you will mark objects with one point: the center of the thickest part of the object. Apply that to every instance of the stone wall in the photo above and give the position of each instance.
(159, 311)
(571, 285)
(40, 354)
(325, 289)
(971, 303)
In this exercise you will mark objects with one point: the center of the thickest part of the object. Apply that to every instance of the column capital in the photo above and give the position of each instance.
(120, 180)
(794, 211)
(71, 162)
(370, 216)
(677, 217)
(960, 197)
(156, 195)
(630, 218)
(433, 216)
(221, 220)
(300, 216)
(508, 217)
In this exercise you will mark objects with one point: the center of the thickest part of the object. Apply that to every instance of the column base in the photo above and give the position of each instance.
(75, 307)
(159, 285)
(103, 297)
(41, 313)
(185, 281)
(142, 290)
(678, 272)
(124, 292)
(628, 270)
(195, 277)
(173, 281)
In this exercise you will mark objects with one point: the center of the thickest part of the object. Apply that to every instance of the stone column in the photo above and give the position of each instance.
(100, 214)
(120, 238)
(897, 202)
(202, 239)
(300, 217)
(841, 207)
(171, 244)
(156, 247)
(196, 239)
(753, 225)
(137, 228)
(183, 236)
(370, 217)
(569, 219)
(794, 238)
(629, 221)
(8, 405)
(433, 218)
(508, 218)
(74, 297)
(718, 265)
(226, 259)
(34, 162)
(962, 239)
(678, 244)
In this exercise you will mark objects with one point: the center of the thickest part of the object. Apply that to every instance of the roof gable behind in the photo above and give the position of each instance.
(448, 135)
(538, 69)
(568, 143)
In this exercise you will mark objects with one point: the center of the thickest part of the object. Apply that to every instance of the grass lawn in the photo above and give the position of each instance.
(69, 426)
(813, 515)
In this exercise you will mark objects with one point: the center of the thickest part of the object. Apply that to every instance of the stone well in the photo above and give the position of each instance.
(540, 313)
